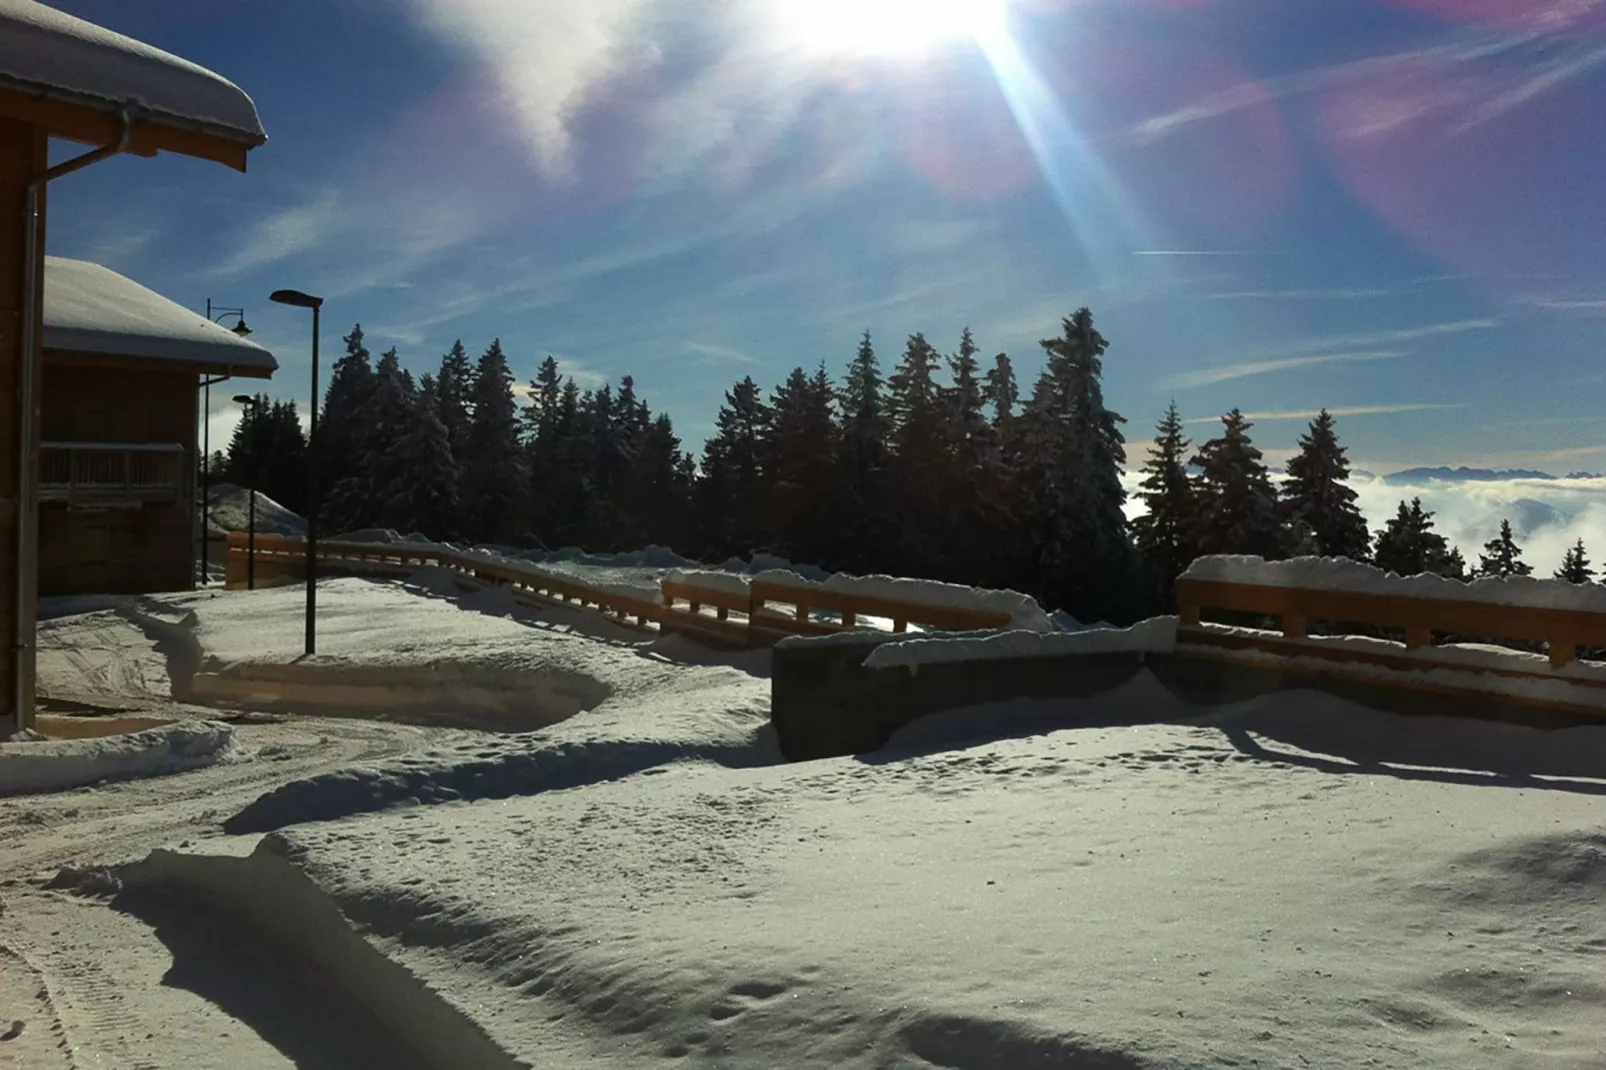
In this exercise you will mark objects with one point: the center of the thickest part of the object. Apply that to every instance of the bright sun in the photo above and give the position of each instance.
(885, 27)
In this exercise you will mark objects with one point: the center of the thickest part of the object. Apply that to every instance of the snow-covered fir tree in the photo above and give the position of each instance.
(1092, 565)
(1237, 505)
(343, 426)
(1502, 556)
(1164, 533)
(454, 396)
(1408, 545)
(800, 465)
(422, 492)
(1575, 565)
(733, 462)
(494, 471)
(999, 389)
(1318, 503)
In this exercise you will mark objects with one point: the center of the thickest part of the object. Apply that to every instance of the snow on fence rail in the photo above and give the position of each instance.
(1541, 611)
(712, 605)
(1306, 592)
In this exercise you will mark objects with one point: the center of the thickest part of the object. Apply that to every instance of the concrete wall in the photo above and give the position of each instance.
(825, 703)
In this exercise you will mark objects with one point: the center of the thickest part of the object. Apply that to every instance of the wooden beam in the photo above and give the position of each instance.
(24, 152)
(100, 126)
(89, 361)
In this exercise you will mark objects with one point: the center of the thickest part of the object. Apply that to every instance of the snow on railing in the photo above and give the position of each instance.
(1343, 593)
(719, 605)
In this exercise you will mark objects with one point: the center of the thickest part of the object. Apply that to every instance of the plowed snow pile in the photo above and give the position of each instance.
(1294, 881)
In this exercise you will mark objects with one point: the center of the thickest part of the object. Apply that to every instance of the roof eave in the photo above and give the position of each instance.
(95, 120)
(188, 365)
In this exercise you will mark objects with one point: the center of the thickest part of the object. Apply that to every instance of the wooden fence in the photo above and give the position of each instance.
(1419, 621)
(760, 615)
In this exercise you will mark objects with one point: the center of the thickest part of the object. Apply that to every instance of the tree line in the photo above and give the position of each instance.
(940, 467)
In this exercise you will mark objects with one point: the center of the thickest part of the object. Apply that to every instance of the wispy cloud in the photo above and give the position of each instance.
(1311, 414)
(1201, 252)
(289, 232)
(1225, 372)
(1536, 62)
(707, 354)
(1407, 334)
(1586, 306)
(1300, 295)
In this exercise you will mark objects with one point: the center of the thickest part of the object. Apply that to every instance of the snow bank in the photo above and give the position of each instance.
(1284, 884)
(1157, 635)
(1352, 577)
(59, 765)
(231, 511)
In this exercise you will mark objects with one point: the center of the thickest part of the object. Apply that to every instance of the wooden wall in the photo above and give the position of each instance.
(118, 551)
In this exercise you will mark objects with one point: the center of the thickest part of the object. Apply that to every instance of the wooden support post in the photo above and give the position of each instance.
(900, 626)
(23, 154)
(1418, 636)
(802, 611)
(1563, 650)
(1295, 626)
(849, 618)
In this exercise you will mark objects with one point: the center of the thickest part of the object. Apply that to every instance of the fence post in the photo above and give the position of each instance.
(1563, 648)
(1295, 626)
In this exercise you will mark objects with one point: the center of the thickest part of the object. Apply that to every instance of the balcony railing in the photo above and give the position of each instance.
(110, 473)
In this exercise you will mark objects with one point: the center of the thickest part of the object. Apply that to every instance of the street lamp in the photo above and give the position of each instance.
(251, 405)
(217, 314)
(297, 299)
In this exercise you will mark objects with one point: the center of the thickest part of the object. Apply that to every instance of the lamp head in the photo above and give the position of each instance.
(244, 399)
(295, 298)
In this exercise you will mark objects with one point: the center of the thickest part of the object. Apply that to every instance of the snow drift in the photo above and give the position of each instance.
(59, 765)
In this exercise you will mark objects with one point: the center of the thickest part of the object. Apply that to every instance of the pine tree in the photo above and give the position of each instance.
(454, 396)
(422, 492)
(343, 427)
(1164, 533)
(999, 389)
(1408, 545)
(1092, 566)
(916, 462)
(1317, 496)
(800, 465)
(963, 404)
(867, 525)
(734, 459)
(495, 479)
(1575, 565)
(1237, 503)
(1502, 556)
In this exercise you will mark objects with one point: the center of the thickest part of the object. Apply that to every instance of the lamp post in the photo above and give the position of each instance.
(251, 405)
(297, 299)
(217, 314)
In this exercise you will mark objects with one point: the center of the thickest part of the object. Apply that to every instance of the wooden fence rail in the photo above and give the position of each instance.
(760, 615)
(1562, 630)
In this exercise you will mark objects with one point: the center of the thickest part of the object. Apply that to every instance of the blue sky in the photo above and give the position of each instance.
(1391, 209)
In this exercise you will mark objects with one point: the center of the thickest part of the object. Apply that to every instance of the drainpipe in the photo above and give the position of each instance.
(28, 374)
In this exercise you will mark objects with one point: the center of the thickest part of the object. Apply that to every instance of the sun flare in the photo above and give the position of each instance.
(885, 27)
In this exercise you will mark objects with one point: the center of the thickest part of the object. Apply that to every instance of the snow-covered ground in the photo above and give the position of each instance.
(1293, 881)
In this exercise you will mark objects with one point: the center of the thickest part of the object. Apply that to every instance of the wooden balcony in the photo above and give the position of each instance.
(112, 474)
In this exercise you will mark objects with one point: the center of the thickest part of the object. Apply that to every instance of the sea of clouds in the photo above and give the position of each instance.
(1547, 515)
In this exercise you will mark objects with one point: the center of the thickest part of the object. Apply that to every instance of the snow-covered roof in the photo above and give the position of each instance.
(92, 310)
(45, 52)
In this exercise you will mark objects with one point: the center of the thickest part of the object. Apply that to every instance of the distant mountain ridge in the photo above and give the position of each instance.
(1416, 476)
